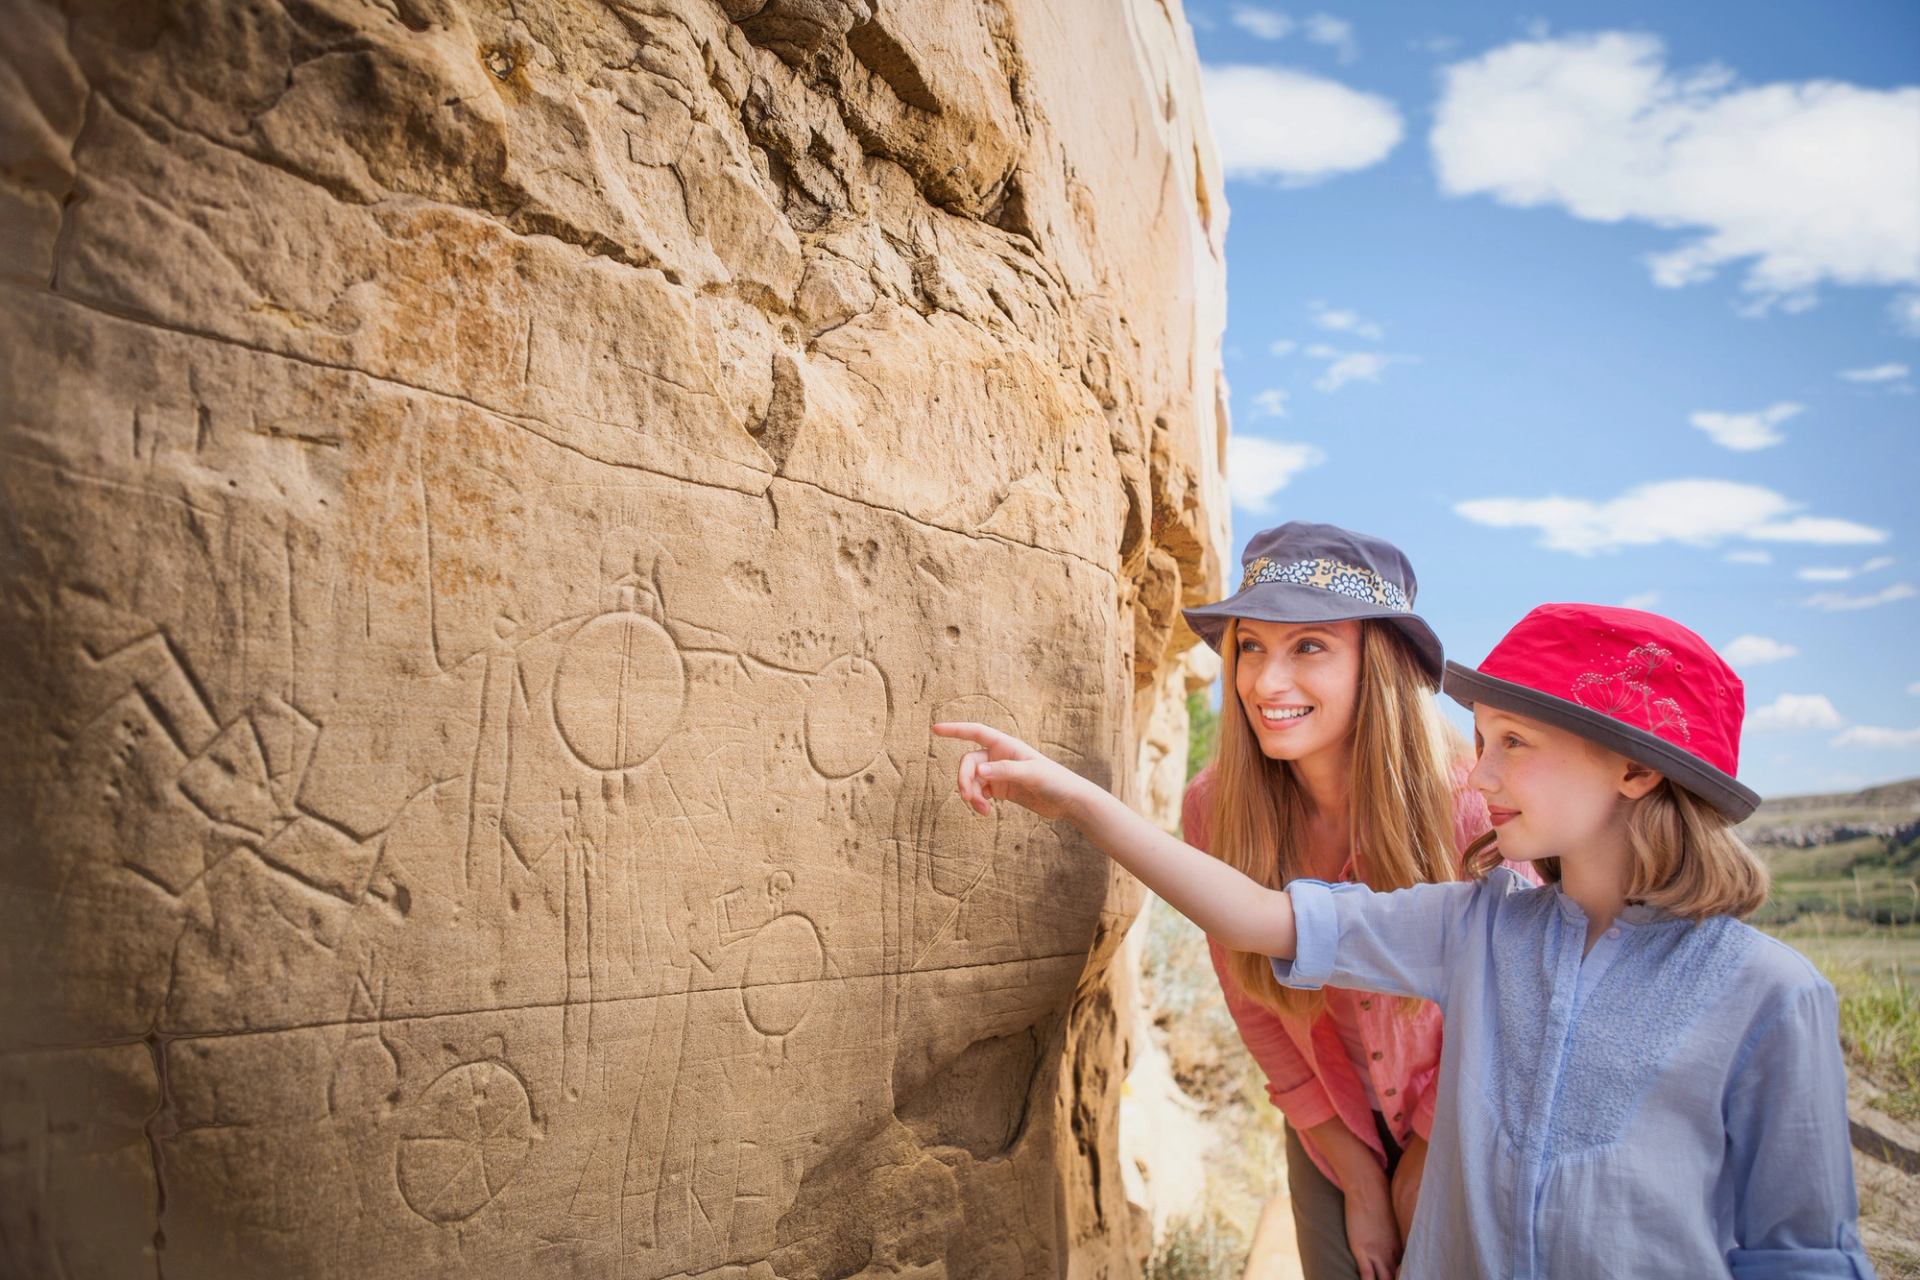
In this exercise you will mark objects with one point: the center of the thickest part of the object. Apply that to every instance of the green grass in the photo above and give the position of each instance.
(1203, 731)
(1872, 897)
(1209, 1249)
(1875, 971)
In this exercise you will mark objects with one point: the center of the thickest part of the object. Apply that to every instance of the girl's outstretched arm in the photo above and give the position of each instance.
(1239, 912)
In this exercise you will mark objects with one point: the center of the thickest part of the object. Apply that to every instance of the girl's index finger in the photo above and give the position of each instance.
(970, 731)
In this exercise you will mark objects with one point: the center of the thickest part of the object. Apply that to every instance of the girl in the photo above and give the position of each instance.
(1330, 741)
(1634, 1082)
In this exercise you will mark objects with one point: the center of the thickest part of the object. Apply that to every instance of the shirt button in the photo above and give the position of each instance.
(1391, 1092)
(1377, 1055)
(1397, 1115)
(1614, 932)
(1366, 1004)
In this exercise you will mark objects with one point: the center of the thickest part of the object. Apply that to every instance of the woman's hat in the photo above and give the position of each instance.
(1636, 683)
(1302, 572)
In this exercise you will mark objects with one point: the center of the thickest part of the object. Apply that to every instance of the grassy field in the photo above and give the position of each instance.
(1852, 906)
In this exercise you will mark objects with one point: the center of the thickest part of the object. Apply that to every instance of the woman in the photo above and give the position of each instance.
(1330, 745)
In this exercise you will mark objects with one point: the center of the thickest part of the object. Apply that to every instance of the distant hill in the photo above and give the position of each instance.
(1889, 797)
(1889, 812)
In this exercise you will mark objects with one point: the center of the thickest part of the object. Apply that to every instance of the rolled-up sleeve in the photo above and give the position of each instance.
(1787, 1141)
(1397, 942)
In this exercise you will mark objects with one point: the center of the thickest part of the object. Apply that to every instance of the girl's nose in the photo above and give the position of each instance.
(1483, 777)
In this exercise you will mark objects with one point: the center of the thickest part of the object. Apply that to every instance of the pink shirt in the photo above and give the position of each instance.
(1310, 1075)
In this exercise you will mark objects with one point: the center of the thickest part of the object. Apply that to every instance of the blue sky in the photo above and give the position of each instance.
(1598, 302)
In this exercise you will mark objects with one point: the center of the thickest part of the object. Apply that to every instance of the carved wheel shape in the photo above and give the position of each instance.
(465, 1139)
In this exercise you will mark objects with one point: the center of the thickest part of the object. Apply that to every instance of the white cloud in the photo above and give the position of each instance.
(1283, 347)
(1645, 600)
(1294, 127)
(1257, 469)
(1869, 735)
(1271, 403)
(1914, 688)
(1750, 557)
(1268, 24)
(1889, 372)
(1794, 711)
(1344, 321)
(1823, 530)
(1695, 512)
(1353, 366)
(1754, 651)
(1335, 33)
(1905, 311)
(1808, 183)
(1841, 573)
(1744, 432)
(1840, 602)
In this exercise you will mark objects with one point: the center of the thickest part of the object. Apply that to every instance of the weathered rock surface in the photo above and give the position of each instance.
(494, 494)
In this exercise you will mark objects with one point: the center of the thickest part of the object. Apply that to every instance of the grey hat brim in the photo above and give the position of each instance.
(1733, 799)
(1295, 603)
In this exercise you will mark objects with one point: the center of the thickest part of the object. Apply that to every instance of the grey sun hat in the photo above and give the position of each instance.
(1301, 572)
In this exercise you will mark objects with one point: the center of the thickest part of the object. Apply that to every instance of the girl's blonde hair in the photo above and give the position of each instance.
(1400, 801)
(1687, 858)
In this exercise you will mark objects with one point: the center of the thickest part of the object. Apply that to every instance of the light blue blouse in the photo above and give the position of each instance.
(1672, 1104)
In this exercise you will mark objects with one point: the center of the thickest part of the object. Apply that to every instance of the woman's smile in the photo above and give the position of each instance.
(1283, 717)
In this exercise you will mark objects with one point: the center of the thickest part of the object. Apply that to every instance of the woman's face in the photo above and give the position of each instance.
(1299, 684)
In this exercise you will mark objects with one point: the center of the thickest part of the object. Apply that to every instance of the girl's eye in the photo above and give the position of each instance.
(1249, 646)
(1310, 646)
(1510, 741)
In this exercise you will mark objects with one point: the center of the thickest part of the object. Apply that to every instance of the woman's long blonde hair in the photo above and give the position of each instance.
(1687, 858)
(1400, 798)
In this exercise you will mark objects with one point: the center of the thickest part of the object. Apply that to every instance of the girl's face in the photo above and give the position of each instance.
(1550, 791)
(1299, 683)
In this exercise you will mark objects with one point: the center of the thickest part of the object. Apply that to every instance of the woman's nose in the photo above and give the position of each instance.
(1275, 678)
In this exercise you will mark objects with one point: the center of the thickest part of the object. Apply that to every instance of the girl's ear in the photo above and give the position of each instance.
(1637, 781)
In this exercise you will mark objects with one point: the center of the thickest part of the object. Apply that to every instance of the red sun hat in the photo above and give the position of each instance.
(1636, 683)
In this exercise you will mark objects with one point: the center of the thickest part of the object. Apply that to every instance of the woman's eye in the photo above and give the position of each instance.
(1310, 646)
(1249, 646)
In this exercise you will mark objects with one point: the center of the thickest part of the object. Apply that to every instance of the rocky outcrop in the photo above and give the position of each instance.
(494, 494)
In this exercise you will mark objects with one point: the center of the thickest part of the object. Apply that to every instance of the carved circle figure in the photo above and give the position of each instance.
(619, 691)
(785, 962)
(847, 715)
(464, 1140)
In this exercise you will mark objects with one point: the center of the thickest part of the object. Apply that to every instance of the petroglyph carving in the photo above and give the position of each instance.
(494, 495)
(463, 1141)
(627, 662)
(848, 715)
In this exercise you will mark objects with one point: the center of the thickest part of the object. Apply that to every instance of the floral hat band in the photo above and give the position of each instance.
(1329, 575)
(1303, 573)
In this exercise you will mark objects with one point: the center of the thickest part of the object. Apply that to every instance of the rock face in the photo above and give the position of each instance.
(494, 494)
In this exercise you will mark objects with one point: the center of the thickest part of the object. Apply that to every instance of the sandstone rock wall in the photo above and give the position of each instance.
(493, 495)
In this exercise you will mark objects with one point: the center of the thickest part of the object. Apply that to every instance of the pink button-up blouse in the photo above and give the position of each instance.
(1309, 1075)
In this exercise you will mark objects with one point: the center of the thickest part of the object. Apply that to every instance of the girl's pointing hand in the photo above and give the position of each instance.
(1008, 769)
